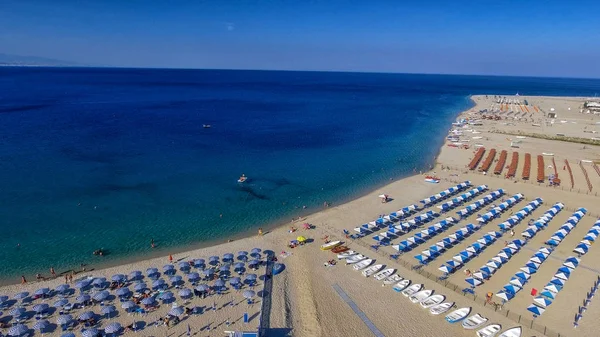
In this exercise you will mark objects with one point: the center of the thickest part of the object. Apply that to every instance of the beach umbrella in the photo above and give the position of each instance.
(168, 267)
(473, 281)
(99, 282)
(41, 325)
(219, 283)
(176, 311)
(511, 288)
(553, 288)
(581, 249)
(542, 301)
(564, 276)
(480, 275)
(571, 264)
(487, 269)
(251, 277)
(60, 303)
(445, 269)
(135, 275)
(460, 258)
(517, 282)
(208, 272)
(113, 327)
(68, 334)
(140, 287)
(183, 265)
(535, 309)
(17, 330)
(21, 295)
(192, 277)
(557, 281)
(548, 294)
(523, 276)
(238, 265)
(213, 260)
(158, 283)
(183, 293)
(203, 287)
(82, 298)
(62, 288)
(255, 251)
(16, 312)
(505, 254)
(122, 291)
(248, 294)
(224, 268)
(40, 307)
(64, 319)
(532, 265)
(536, 259)
(500, 260)
(90, 332)
(176, 279)
(85, 315)
(199, 263)
(493, 264)
(235, 280)
(166, 296)
(505, 296)
(118, 278)
(82, 284)
(101, 295)
(528, 270)
(151, 271)
(148, 301)
(42, 291)
(107, 310)
(128, 305)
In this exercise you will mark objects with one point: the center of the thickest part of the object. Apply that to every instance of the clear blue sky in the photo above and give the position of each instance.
(547, 38)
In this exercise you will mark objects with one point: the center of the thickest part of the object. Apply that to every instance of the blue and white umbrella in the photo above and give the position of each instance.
(148, 301)
(511, 288)
(118, 278)
(235, 280)
(199, 263)
(487, 269)
(557, 281)
(213, 260)
(122, 291)
(166, 296)
(113, 327)
(219, 283)
(151, 271)
(249, 294)
(203, 287)
(505, 296)
(255, 251)
(86, 315)
(473, 281)
(40, 307)
(176, 279)
(60, 303)
(535, 309)
(64, 319)
(176, 311)
(542, 301)
(183, 265)
(17, 330)
(532, 265)
(82, 298)
(228, 257)
(208, 272)
(42, 291)
(581, 249)
(17, 312)
(185, 293)
(90, 332)
(445, 269)
(21, 295)
(553, 288)
(68, 334)
(99, 281)
(62, 288)
(128, 305)
(549, 294)
(108, 310)
(517, 282)
(140, 287)
(564, 276)
(238, 266)
(168, 267)
(101, 295)
(82, 284)
(523, 276)
(528, 270)
(158, 283)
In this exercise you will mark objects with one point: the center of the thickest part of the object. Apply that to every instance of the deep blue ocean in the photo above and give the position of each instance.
(112, 158)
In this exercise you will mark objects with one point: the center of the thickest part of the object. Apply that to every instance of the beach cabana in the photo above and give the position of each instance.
(511, 288)
(446, 269)
(487, 269)
(522, 275)
(553, 288)
(500, 259)
(548, 294)
(473, 281)
(505, 296)
(571, 262)
(581, 249)
(493, 264)
(517, 282)
(528, 270)
(557, 281)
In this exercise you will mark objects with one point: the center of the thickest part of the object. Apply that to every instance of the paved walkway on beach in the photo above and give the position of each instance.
(357, 311)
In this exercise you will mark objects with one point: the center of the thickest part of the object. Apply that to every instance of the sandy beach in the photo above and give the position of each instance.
(310, 299)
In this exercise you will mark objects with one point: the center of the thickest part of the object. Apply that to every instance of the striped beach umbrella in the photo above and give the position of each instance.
(86, 315)
(40, 307)
(113, 327)
(60, 303)
(90, 332)
(249, 294)
(21, 295)
(41, 325)
(82, 298)
(64, 319)
(62, 288)
(17, 330)
(176, 311)
(101, 295)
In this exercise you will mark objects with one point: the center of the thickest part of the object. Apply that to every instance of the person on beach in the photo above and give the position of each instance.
(23, 280)
(260, 232)
(512, 233)
(170, 258)
(152, 243)
(52, 272)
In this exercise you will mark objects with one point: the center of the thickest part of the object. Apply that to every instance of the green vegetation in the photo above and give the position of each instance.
(577, 140)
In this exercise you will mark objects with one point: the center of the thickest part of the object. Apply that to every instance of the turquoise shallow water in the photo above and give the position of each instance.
(113, 158)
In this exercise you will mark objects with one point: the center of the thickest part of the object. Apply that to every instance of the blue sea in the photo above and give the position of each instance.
(113, 158)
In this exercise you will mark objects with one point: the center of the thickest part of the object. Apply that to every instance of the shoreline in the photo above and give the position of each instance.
(268, 227)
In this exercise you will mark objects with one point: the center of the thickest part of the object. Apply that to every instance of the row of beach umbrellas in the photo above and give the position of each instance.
(474, 249)
(461, 199)
(543, 221)
(584, 245)
(479, 204)
(566, 228)
(439, 248)
(521, 277)
(488, 269)
(395, 230)
(516, 218)
(501, 208)
(445, 193)
(420, 238)
(588, 298)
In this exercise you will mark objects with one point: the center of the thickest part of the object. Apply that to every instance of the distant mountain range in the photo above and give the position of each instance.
(9, 60)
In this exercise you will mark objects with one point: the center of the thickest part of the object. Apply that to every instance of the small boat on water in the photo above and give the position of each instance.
(355, 259)
(392, 279)
(401, 285)
(415, 288)
(512, 332)
(441, 308)
(458, 315)
(421, 295)
(331, 245)
(474, 322)
(383, 274)
(372, 270)
(362, 264)
(489, 331)
(243, 179)
(432, 179)
(340, 249)
(346, 254)
(206, 126)
(432, 300)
